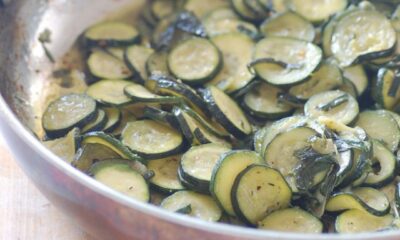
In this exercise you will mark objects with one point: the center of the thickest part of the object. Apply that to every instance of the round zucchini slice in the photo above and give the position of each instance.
(198, 162)
(357, 75)
(263, 102)
(236, 49)
(103, 65)
(114, 117)
(202, 7)
(165, 177)
(336, 105)
(65, 147)
(356, 221)
(280, 152)
(327, 77)
(139, 93)
(225, 172)
(162, 8)
(352, 39)
(257, 191)
(200, 206)
(317, 11)
(380, 125)
(120, 176)
(245, 12)
(387, 89)
(151, 139)
(111, 34)
(97, 124)
(91, 153)
(291, 220)
(288, 24)
(136, 57)
(67, 112)
(348, 87)
(109, 92)
(195, 61)
(227, 112)
(157, 63)
(223, 26)
(285, 61)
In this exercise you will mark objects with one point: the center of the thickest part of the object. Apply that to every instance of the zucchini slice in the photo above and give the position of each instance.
(263, 102)
(288, 24)
(106, 66)
(280, 152)
(67, 112)
(136, 57)
(151, 139)
(356, 221)
(225, 172)
(162, 8)
(352, 40)
(285, 61)
(385, 165)
(335, 104)
(120, 176)
(114, 117)
(195, 61)
(202, 7)
(157, 63)
(363, 198)
(348, 87)
(327, 77)
(317, 11)
(160, 116)
(112, 143)
(387, 88)
(227, 112)
(236, 49)
(127, 116)
(197, 164)
(139, 93)
(291, 220)
(245, 12)
(357, 75)
(218, 14)
(109, 34)
(201, 206)
(109, 92)
(224, 26)
(91, 153)
(257, 191)
(97, 124)
(165, 177)
(65, 147)
(380, 125)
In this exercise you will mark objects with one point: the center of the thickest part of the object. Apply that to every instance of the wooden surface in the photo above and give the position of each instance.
(24, 213)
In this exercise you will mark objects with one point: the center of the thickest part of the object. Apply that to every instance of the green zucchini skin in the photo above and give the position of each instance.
(97, 124)
(90, 153)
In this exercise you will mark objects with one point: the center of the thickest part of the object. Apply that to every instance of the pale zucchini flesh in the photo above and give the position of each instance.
(165, 177)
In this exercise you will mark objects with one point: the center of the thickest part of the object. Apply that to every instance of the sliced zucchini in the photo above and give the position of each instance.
(136, 57)
(352, 41)
(288, 24)
(245, 12)
(257, 191)
(201, 206)
(117, 52)
(202, 7)
(257, 8)
(120, 176)
(127, 116)
(198, 162)
(162, 8)
(345, 162)
(157, 63)
(291, 220)
(363, 198)
(91, 153)
(227, 112)
(97, 124)
(236, 49)
(109, 92)
(348, 87)
(326, 78)
(165, 177)
(106, 66)
(108, 34)
(194, 61)
(356, 221)
(67, 112)
(335, 104)
(112, 143)
(223, 26)
(151, 139)
(285, 61)
(65, 147)
(225, 172)
(387, 88)
(317, 11)
(358, 172)
(380, 125)
(114, 117)
(263, 102)
(326, 38)
(161, 116)
(357, 75)
(139, 93)
(384, 166)
(218, 14)
(280, 152)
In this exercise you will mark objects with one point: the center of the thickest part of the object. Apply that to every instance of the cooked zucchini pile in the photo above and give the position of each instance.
(280, 115)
